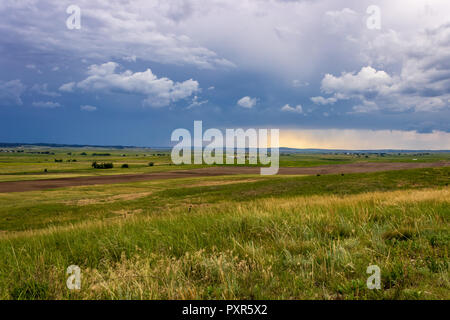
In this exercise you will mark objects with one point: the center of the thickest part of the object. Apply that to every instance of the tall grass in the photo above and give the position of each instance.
(299, 247)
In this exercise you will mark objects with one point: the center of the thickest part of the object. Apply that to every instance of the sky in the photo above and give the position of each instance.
(327, 73)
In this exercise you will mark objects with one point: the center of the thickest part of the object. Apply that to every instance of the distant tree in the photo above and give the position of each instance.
(103, 165)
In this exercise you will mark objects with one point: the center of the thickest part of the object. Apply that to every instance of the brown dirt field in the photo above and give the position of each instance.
(33, 185)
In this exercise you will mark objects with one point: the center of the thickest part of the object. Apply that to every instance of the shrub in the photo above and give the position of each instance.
(103, 165)
(125, 165)
(151, 164)
(83, 154)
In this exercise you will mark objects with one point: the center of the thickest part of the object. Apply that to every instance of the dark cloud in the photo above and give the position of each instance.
(308, 64)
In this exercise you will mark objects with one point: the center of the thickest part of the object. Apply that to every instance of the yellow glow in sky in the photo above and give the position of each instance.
(363, 139)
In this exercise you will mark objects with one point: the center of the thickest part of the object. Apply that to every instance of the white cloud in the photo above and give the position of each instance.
(11, 92)
(158, 92)
(366, 81)
(367, 86)
(46, 104)
(88, 108)
(247, 102)
(42, 89)
(288, 108)
(422, 85)
(139, 29)
(280, 40)
(279, 37)
(67, 87)
(408, 68)
(196, 102)
(365, 107)
(323, 101)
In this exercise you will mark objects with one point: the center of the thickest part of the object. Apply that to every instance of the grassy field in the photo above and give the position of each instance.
(236, 237)
(33, 161)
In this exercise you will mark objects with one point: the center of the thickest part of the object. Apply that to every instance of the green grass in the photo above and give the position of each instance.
(61, 206)
(31, 166)
(237, 237)
(267, 249)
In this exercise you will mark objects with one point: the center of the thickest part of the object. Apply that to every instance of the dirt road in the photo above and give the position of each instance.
(33, 185)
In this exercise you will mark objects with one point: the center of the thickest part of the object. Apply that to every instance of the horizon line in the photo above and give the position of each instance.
(77, 145)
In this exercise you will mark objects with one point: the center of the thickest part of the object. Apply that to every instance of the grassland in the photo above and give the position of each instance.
(39, 162)
(34, 163)
(239, 237)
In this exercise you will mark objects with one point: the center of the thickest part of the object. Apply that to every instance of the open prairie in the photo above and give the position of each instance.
(224, 232)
